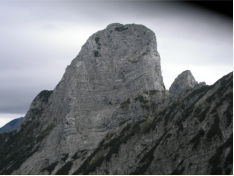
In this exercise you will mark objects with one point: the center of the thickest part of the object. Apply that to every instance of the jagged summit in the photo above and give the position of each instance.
(183, 82)
(127, 54)
(114, 66)
(110, 114)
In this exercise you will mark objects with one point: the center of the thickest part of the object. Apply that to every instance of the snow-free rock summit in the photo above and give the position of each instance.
(111, 114)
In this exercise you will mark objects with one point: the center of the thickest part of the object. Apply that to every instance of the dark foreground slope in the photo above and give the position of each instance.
(17, 146)
(193, 135)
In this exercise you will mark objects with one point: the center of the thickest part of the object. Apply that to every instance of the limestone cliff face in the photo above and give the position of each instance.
(110, 114)
(114, 64)
(182, 83)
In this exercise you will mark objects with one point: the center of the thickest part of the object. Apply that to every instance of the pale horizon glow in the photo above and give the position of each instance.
(6, 118)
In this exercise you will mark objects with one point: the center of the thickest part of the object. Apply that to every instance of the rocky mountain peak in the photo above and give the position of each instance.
(120, 56)
(183, 82)
(110, 114)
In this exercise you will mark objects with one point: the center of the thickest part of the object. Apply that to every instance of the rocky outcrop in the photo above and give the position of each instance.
(184, 84)
(110, 114)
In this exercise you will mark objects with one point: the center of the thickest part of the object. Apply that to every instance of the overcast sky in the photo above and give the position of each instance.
(38, 39)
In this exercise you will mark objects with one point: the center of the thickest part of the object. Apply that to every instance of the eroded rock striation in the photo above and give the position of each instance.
(111, 114)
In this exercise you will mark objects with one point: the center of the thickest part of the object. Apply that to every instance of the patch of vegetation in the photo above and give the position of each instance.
(147, 159)
(229, 158)
(175, 157)
(186, 113)
(44, 133)
(83, 167)
(202, 91)
(50, 168)
(97, 40)
(224, 84)
(153, 92)
(65, 156)
(125, 135)
(136, 126)
(84, 152)
(64, 170)
(214, 129)
(44, 95)
(20, 146)
(171, 109)
(133, 61)
(122, 122)
(125, 104)
(96, 53)
(229, 114)
(215, 160)
(143, 102)
(196, 139)
(147, 126)
(203, 115)
(141, 99)
(211, 98)
(168, 136)
(112, 146)
(178, 171)
(112, 142)
(141, 152)
(159, 119)
(145, 53)
(228, 171)
(153, 106)
(197, 111)
(113, 149)
(108, 136)
(216, 171)
(93, 165)
(36, 112)
(147, 107)
(125, 129)
(75, 156)
(182, 106)
(121, 28)
(189, 109)
(87, 166)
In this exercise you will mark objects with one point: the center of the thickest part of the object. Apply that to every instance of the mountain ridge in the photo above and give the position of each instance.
(11, 126)
(111, 114)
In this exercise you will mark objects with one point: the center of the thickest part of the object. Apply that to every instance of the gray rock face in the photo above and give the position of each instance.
(114, 64)
(110, 114)
(183, 82)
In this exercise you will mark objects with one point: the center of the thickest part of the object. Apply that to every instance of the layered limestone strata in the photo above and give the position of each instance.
(110, 114)
(184, 84)
(118, 62)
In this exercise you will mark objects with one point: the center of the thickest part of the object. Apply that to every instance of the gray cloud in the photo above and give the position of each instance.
(40, 38)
